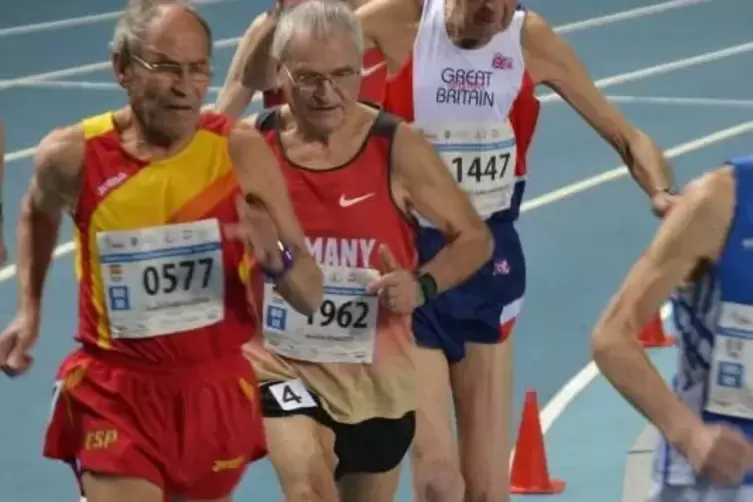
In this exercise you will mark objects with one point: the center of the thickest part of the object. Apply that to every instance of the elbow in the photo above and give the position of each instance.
(612, 334)
(601, 343)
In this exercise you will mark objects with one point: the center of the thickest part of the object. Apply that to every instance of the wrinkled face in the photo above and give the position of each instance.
(168, 76)
(481, 19)
(321, 79)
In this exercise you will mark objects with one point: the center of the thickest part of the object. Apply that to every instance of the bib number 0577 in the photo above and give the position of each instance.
(495, 168)
(168, 277)
(350, 314)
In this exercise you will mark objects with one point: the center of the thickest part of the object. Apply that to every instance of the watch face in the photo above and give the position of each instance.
(428, 285)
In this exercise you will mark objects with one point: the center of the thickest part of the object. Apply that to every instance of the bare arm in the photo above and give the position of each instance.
(250, 69)
(553, 63)
(390, 26)
(432, 192)
(260, 178)
(54, 188)
(695, 230)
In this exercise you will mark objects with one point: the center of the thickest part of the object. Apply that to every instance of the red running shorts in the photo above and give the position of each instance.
(191, 431)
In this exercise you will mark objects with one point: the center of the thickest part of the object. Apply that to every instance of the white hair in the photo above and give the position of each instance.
(319, 18)
(133, 24)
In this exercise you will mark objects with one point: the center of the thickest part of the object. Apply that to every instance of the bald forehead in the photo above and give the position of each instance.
(176, 27)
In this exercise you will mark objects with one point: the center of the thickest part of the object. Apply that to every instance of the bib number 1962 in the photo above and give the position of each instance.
(350, 314)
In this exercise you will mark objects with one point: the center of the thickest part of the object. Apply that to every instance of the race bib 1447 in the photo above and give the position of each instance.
(482, 158)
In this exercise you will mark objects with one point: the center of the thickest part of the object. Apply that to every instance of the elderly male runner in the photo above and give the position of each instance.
(464, 73)
(339, 387)
(251, 69)
(158, 402)
(700, 255)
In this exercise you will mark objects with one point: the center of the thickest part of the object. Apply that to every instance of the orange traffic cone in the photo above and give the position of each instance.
(652, 334)
(530, 474)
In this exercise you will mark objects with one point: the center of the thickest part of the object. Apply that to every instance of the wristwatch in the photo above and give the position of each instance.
(427, 285)
(287, 263)
(668, 191)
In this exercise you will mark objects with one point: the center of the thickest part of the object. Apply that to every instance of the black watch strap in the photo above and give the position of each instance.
(668, 191)
(428, 286)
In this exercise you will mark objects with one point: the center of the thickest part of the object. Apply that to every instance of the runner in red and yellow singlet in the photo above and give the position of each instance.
(158, 402)
(339, 389)
(250, 71)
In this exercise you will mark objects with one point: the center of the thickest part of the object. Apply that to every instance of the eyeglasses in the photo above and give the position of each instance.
(201, 73)
(312, 81)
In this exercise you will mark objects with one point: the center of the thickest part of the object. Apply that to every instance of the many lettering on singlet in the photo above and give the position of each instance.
(730, 384)
(343, 329)
(162, 280)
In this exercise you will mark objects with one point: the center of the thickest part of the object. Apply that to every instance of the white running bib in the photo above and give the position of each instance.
(344, 328)
(482, 158)
(292, 395)
(730, 385)
(162, 280)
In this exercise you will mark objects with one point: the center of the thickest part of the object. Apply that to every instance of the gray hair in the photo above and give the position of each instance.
(320, 18)
(133, 25)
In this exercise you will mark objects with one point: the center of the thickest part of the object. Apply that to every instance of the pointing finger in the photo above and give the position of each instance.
(389, 263)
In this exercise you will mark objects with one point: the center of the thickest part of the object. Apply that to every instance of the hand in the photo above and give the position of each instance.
(259, 234)
(721, 454)
(16, 342)
(398, 289)
(662, 202)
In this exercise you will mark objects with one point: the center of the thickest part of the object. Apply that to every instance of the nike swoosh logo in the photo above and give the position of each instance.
(371, 69)
(349, 202)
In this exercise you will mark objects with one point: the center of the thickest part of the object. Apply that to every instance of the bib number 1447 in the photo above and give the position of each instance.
(477, 168)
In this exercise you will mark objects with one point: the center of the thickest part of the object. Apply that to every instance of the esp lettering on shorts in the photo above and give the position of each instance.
(100, 439)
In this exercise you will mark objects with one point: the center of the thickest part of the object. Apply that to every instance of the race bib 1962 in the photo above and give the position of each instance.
(481, 157)
(730, 385)
(342, 330)
(162, 280)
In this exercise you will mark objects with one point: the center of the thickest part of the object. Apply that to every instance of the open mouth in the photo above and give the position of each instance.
(180, 108)
(323, 109)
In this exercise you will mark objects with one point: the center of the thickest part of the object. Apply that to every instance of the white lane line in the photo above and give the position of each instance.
(626, 15)
(86, 85)
(578, 383)
(678, 101)
(71, 22)
(621, 78)
(593, 22)
(79, 70)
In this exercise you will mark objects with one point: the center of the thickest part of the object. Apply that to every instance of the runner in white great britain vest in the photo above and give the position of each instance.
(464, 73)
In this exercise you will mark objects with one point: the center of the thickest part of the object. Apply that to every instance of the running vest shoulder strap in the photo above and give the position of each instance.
(383, 130)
